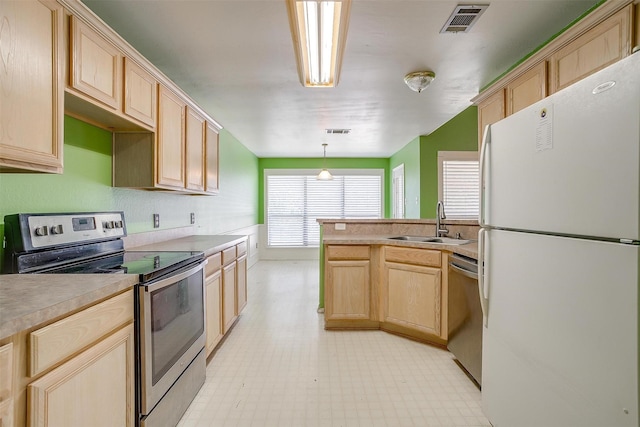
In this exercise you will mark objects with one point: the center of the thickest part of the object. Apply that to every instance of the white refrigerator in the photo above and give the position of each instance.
(559, 257)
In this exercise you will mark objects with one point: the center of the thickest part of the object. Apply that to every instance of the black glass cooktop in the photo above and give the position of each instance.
(148, 265)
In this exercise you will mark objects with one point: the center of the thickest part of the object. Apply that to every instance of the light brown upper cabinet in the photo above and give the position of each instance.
(95, 66)
(527, 89)
(490, 111)
(170, 139)
(32, 96)
(140, 89)
(195, 146)
(182, 155)
(600, 39)
(212, 150)
(599, 47)
(106, 87)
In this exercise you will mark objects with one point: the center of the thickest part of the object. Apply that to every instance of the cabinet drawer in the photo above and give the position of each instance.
(53, 343)
(348, 252)
(213, 264)
(228, 255)
(6, 378)
(242, 248)
(413, 256)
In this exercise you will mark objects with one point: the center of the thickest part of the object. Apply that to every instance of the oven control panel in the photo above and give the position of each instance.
(53, 230)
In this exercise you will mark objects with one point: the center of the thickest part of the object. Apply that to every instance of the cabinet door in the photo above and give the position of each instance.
(490, 111)
(170, 137)
(6, 385)
(347, 295)
(31, 77)
(414, 297)
(96, 65)
(241, 283)
(213, 310)
(599, 47)
(195, 151)
(528, 88)
(212, 161)
(228, 296)
(140, 93)
(95, 388)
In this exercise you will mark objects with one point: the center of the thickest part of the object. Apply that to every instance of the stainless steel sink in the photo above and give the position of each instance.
(423, 239)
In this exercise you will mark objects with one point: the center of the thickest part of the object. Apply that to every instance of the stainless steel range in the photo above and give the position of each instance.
(169, 298)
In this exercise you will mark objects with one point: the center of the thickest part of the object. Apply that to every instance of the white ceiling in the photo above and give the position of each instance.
(235, 58)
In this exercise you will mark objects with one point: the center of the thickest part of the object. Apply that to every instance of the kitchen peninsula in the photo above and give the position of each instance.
(371, 280)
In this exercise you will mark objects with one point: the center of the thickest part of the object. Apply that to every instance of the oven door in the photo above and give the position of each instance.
(171, 331)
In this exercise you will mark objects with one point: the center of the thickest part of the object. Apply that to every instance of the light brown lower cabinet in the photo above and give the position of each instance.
(398, 289)
(241, 283)
(6, 385)
(76, 371)
(94, 388)
(414, 297)
(228, 296)
(225, 292)
(213, 313)
(348, 296)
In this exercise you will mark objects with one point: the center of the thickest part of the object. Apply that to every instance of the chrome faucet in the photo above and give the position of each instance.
(440, 215)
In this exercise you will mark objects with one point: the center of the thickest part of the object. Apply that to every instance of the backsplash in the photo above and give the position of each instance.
(468, 229)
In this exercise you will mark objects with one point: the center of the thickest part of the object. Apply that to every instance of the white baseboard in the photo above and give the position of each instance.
(273, 254)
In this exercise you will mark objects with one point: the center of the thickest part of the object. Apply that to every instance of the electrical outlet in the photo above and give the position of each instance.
(156, 220)
(193, 218)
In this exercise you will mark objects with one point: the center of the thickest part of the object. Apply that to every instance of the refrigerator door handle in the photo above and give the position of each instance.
(486, 139)
(482, 271)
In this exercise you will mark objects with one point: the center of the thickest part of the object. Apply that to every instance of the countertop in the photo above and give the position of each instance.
(470, 249)
(208, 244)
(29, 300)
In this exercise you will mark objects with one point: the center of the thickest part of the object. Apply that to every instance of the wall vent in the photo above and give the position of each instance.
(338, 131)
(464, 16)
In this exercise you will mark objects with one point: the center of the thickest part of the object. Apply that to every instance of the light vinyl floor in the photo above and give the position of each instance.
(279, 367)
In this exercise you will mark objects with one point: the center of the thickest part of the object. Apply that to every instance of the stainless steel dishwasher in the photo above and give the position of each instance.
(465, 315)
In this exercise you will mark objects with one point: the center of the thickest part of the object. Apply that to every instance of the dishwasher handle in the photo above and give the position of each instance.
(470, 274)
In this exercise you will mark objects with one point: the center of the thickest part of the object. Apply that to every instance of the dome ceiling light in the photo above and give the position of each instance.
(419, 80)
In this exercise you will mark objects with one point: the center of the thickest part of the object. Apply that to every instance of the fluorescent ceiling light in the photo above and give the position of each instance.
(319, 31)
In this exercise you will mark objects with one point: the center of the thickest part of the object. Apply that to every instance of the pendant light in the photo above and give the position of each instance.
(324, 174)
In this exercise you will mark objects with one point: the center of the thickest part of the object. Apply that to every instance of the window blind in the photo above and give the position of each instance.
(461, 188)
(295, 202)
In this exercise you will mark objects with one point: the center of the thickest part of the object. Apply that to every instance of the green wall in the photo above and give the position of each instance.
(458, 134)
(85, 185)
(409, 155)
(317, 163)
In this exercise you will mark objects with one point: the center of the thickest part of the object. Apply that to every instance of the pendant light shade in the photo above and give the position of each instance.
(324, 174)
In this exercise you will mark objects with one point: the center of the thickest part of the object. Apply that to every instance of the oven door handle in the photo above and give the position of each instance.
(173, 278)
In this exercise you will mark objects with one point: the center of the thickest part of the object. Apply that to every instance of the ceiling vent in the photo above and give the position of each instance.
(463, 18)
(338, 131)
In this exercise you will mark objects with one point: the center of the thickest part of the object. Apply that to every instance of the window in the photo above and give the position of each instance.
(295, 199)
(459, 183)
(398, 191)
